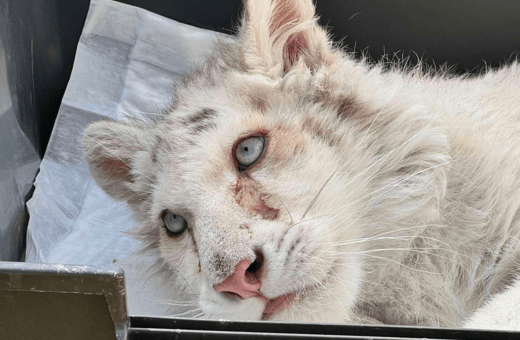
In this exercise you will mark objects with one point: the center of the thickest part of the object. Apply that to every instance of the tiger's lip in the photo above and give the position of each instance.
(274, 305)
(271, 305)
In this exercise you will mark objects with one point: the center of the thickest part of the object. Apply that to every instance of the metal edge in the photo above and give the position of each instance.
(108, 281)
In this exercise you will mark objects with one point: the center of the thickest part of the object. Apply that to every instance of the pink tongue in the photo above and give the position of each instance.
(277, 303)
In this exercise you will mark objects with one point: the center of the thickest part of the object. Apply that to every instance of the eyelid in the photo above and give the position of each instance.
(162, 214)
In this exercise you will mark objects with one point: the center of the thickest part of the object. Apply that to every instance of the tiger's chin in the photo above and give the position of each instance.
(325, 307)
(292, 309)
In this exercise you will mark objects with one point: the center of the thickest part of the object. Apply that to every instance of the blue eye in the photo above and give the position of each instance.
(174, 224)
(249, 151)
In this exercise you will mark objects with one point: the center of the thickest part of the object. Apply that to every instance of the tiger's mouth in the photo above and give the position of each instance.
(277, 304)
(274, 305)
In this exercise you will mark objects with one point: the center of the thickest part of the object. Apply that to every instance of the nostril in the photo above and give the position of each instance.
(255, 266)
(233, 294)
(253, 274)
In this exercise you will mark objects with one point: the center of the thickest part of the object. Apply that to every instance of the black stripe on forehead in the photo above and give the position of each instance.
(202, 115)
(321, 131)
(201, 120)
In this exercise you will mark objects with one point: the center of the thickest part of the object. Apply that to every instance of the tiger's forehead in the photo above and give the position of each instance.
(209, 118)
(203, 138)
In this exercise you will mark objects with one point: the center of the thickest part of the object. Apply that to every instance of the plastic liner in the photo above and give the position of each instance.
(126, 63)
(19, 162)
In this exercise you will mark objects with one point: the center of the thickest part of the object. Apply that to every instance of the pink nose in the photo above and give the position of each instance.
(245, 281)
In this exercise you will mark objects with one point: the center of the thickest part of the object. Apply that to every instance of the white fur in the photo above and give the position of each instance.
(501, 312)
(396, 193)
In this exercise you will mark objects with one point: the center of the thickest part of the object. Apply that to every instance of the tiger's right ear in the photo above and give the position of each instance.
(118, 157)
(276, 34)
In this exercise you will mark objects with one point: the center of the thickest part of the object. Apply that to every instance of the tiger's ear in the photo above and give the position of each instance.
(118, 157)
(276, 34)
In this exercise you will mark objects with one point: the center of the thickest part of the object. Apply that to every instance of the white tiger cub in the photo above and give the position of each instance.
(289, 181)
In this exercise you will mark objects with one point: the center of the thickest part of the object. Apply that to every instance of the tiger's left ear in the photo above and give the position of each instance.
(276, 34)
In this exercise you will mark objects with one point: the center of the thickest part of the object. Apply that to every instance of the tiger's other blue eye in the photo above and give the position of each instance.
(249, 151)
(174, 224)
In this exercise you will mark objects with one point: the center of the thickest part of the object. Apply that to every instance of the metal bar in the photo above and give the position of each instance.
(181, 334)
(318, 329)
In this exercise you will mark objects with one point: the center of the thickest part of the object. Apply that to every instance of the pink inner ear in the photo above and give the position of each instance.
(292, 49)
(115, 168)
(285, 13)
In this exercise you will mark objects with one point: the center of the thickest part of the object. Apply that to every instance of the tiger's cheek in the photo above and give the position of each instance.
(180, 253)
(249, 196)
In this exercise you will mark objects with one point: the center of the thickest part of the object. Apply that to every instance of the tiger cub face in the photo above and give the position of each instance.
(257, 186)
